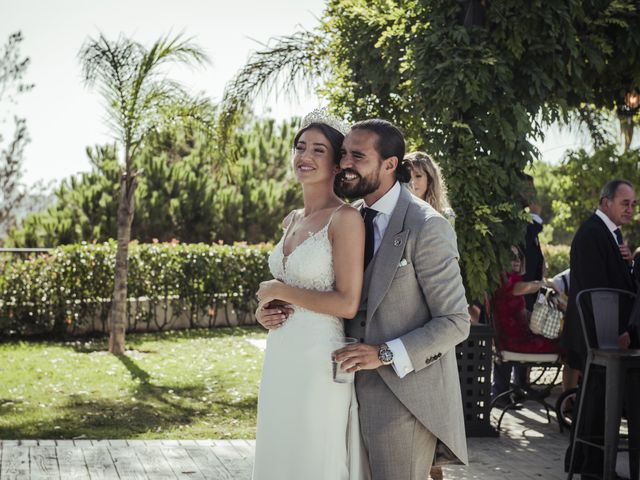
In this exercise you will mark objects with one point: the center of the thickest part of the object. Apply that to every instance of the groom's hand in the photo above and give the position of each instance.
(359, 356)
(273, 314)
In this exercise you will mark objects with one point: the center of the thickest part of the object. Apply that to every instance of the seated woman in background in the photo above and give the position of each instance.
(510, 316)
(511, 323)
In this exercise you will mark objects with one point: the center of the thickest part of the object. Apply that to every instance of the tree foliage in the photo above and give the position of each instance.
(474, 95)
(84, 209)
(185, 193)
(569, 192)
(13, 67)
(260, 190)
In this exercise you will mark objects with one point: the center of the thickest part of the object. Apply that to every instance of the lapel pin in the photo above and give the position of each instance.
(397, 242)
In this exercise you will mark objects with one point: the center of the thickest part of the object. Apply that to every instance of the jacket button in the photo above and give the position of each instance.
(362, 324)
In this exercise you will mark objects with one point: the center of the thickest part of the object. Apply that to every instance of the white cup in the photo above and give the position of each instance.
(339, 375)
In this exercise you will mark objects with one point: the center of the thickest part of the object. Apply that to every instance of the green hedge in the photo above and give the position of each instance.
(59, 292)
(556, 257)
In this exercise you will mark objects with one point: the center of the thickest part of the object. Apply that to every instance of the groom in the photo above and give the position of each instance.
(413, 313)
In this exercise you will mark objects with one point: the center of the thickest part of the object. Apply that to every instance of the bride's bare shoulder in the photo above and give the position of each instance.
(346, 216)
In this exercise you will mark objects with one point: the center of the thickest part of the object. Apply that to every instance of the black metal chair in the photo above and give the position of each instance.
(602, 307)
(536, 390)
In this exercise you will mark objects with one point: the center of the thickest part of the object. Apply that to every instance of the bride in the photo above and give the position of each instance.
(307, 424)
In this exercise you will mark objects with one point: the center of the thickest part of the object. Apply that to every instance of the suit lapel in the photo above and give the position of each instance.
(367, 283)
(382, 269)
(624, 267)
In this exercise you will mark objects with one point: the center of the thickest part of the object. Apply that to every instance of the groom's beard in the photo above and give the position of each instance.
(360, 187)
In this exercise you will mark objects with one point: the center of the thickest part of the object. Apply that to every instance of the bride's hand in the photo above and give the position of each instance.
(272, 315)
(270, 290)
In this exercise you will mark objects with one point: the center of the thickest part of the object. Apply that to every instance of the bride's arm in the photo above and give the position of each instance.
(346, 234)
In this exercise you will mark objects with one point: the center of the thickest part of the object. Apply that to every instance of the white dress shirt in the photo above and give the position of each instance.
(536, 218)
(560, 279)
(607, 221)
(385, 206)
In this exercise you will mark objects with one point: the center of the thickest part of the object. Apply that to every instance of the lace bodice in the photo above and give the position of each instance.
(309, 266)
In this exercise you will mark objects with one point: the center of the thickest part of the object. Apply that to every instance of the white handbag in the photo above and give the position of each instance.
(546, 319)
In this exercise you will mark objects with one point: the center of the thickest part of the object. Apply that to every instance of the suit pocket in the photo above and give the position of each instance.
(404, 271)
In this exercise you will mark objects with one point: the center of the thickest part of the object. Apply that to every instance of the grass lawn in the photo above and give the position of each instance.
(172, 385)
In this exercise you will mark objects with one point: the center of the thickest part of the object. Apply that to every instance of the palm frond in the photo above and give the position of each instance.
(290, 61)
(178, 50)
(197, 114)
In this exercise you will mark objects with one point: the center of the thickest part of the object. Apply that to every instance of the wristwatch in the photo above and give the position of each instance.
(385, 355)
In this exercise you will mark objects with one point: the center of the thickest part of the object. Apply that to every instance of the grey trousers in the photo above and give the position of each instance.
(398, 445)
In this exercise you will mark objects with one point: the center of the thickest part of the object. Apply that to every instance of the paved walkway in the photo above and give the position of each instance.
(528, 448)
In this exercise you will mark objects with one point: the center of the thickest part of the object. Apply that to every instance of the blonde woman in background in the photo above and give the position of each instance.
(428, 184)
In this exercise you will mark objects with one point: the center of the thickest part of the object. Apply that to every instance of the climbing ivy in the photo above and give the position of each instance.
(474, 90)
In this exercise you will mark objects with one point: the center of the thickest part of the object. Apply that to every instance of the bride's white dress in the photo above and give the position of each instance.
(307, 425)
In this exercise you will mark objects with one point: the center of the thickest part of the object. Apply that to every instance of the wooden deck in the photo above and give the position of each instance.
(126, 459)
(528, 449)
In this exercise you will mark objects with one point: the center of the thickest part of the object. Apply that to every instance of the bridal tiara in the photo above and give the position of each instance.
(321, 115)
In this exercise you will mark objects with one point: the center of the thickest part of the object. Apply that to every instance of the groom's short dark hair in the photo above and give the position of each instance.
(390, 143)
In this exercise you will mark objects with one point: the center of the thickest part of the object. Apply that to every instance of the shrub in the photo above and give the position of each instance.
(61, 291)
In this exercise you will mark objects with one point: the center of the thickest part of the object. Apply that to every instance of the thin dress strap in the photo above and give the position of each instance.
(333, 213)
(291, 217)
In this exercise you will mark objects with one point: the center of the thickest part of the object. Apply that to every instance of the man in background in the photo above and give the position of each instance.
(599, 259)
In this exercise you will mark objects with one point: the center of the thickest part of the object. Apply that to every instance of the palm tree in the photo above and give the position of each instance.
(138, 98)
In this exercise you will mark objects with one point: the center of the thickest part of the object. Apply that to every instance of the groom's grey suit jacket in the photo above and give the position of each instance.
(423, 303)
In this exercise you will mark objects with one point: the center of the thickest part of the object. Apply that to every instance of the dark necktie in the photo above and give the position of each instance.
(618, 235)
(368, 214)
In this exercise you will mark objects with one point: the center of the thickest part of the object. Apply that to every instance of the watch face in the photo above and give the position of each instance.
(386, 356)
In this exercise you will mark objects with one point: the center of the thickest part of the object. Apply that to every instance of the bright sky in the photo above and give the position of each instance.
(63, 117)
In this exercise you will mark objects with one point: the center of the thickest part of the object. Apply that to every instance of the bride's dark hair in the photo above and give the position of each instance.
(334, 136)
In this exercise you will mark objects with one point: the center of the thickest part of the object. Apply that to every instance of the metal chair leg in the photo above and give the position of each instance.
(613, 413)
(578, 421)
